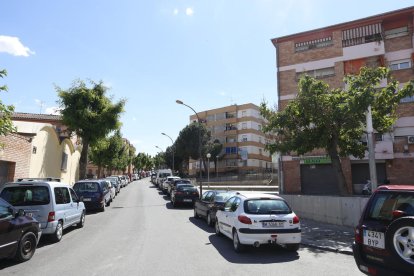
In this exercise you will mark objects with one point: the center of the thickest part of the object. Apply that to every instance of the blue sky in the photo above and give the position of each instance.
(207, 53)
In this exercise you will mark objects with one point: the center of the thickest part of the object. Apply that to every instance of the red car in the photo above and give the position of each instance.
(384, 237)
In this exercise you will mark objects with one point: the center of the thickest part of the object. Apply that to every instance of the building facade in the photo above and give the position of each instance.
(39, 148)
(239, 129)
(330, 53)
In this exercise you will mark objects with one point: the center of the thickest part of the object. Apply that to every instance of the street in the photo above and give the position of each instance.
(141, 234)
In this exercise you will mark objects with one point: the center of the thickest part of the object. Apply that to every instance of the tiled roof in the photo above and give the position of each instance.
(31, 116)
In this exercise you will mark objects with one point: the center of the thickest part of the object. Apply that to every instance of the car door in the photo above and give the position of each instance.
(64, 209)
(8, 234)
(224, 217)
(232, 215)
(77, 208)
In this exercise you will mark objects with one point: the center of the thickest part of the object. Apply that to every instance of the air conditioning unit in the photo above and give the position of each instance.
(410, 139)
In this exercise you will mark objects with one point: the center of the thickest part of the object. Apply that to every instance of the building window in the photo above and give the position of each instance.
(408, 99)
(244, 113)
(230, 115)
(244, 125)
(400, 64)
(402, 31)
(313, 44)
(318, 73)
(378, 137)
(259, 127)
(231, 150)
(361, 35)
(244, 138)
(230, 127)
(64, 164)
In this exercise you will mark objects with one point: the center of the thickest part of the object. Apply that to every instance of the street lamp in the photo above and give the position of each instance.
(172, 147)
(199, 140)
(208, 168)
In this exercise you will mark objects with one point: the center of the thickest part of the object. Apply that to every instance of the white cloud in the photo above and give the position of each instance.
(189, 11)
(134, 118)
(53, 110)
(175, 11)
(13, 46)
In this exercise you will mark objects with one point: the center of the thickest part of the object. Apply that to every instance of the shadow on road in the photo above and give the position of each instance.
(262, 255)
(202, 224)
(169, 205)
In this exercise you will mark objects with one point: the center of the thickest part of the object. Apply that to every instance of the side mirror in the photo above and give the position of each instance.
(20, 213)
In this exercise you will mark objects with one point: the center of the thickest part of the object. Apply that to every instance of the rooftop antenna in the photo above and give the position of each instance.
(40, 103)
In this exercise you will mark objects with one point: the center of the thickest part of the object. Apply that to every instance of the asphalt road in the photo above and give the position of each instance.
(141, 234)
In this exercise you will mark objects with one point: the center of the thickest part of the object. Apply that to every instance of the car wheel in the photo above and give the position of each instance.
(174, 204)
(217, 228)
(399, 239)
(108, 203)
(103, 207)
(292, 247)
(209, 220)
(195, 213)
(26, 247)
(238, 247)
(82, 220)
(57, 236)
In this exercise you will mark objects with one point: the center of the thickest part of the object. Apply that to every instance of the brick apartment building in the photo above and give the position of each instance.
(238, 128)
(330, 53)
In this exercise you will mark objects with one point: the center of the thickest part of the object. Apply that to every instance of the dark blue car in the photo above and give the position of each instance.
(94, 192)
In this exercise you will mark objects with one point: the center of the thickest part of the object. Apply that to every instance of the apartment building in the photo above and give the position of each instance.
(330, 53)
(238, 128)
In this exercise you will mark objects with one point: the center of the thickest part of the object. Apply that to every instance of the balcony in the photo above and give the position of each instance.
(364, 50)
(383, 150)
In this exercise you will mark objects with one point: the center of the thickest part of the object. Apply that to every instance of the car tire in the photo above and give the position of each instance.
(195, 213)
(396, 241)
(293, 247)
(57, 236)
(81, 222)
(217, 228)
(238, 247)
(103, 207)
(209, 219)
(26, 248)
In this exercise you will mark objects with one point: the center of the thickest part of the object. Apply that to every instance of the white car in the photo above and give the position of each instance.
(164, 185)
(257, 219)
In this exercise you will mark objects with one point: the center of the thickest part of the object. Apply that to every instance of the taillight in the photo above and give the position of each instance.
(358, 235)
(296, 220)
(178, 193)
(51, 217)
(244, 219)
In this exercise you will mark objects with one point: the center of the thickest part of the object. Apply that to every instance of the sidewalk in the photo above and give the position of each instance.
(326, 236)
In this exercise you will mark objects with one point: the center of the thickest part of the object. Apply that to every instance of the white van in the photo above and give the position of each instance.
(54, 204)
(162, 174)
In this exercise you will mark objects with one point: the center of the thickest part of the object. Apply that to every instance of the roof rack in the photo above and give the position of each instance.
(52, 179)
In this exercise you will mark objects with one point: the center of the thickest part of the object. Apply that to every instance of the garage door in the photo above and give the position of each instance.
(318, 179)
(360, 173)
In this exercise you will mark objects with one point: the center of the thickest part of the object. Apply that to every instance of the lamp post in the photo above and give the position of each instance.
(199, 139)
(208, 168)
(172, 147)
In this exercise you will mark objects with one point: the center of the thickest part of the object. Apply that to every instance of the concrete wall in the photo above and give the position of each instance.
(335, 210)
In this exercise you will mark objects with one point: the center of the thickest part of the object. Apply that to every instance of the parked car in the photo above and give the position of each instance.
(184, 194)
(164, 185)
(54, 204)
(153, 177)
(258, 219)
(116, 183)
(174, 183)
(161, 175)
(384, 236)
(95, 193)
(19, 233)
(111, 188)
(210, 201)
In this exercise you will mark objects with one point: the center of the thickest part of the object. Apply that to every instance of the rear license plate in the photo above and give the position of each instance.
(86, 199)
(374, 239)
(268, 224)
(188, 200)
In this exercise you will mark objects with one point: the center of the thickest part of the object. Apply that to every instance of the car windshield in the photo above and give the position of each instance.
(222, 197)
(163, 175)
(384, 203)
(86, 187)
(26, 195)
(266, 206)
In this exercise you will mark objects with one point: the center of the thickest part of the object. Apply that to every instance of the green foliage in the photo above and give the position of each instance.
(334, 119)
(6, 111)
(88, 111)
(143, 162)
(187, 143)
(99, 153)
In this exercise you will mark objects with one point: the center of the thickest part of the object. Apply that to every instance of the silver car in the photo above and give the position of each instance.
(54, 204)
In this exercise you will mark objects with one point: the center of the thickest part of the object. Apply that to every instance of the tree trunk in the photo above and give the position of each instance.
(83, 161)
(336, 164)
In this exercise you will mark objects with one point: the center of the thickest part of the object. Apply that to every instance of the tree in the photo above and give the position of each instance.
(335, 119)
(6, 111)
(142, 162)
(214, 148)
(89, 114)
(100, 155)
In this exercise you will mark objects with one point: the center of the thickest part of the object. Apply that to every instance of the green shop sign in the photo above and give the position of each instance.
(312, 160)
